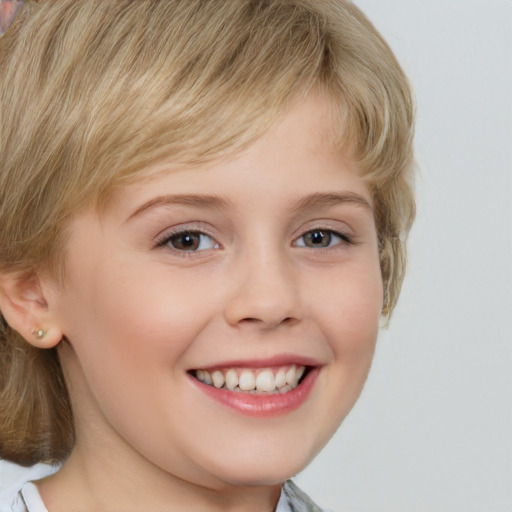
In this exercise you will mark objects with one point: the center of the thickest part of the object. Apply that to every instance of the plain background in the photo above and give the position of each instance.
(433, 428)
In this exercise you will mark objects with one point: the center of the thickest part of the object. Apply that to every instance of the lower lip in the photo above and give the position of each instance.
(265, 404)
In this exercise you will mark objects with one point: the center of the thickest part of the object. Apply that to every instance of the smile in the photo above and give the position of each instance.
(264, 391)
(265, 380)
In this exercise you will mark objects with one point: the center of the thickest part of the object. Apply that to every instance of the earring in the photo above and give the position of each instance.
(39, 333)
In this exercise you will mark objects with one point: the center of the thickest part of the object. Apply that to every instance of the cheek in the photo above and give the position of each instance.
(349, 315)
(350, 306)
(127, 329)
(155, 304)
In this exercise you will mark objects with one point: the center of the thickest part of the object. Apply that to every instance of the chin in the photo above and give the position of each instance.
(266, 467)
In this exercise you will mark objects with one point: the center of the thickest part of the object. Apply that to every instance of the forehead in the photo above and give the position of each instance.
(298, 155)
(321, 131)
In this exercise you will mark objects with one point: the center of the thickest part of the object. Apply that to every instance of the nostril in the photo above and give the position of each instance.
(268, 322)
(290, 320)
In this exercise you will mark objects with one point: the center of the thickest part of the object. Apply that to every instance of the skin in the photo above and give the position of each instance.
(8, 11)
(140, 313)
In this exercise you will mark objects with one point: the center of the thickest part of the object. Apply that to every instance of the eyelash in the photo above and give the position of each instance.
(167, 239)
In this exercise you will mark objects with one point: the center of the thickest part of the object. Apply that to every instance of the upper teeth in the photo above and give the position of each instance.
(245, 379)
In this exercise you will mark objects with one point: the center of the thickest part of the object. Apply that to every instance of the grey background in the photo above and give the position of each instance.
(433, 428)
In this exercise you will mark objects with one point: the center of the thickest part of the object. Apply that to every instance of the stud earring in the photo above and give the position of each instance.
(39, 333)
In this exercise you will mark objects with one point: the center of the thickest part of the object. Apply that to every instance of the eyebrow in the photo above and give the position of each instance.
(310, 202)
(201, 201)
(329, 199)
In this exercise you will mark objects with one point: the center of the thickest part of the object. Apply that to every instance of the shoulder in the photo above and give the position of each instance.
(296, 500)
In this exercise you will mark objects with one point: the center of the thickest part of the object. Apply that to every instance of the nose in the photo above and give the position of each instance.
(266, 293)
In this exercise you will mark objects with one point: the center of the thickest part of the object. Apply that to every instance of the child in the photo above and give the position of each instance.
(203, 209)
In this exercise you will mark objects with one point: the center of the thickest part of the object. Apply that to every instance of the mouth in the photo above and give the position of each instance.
(258, 391)
(274, 380)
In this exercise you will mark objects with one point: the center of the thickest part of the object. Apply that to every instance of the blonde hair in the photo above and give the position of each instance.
(92, 92)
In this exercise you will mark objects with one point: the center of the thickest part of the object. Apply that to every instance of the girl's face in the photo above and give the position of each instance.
(222, 320)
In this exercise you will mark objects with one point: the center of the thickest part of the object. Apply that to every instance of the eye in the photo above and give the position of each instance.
(321, 239)
(189, 241)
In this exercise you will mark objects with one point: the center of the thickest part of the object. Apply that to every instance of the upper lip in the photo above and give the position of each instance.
(279, 360)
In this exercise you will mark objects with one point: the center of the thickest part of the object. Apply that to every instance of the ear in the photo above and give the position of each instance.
(25, 309)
